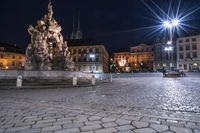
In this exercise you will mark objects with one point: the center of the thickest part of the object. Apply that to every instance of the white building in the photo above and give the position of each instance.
(188, 53)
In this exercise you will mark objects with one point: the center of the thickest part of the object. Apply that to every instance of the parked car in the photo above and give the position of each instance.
(176, 73)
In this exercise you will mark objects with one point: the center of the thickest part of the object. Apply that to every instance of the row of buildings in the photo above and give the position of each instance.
(88, 56)
(184, 53)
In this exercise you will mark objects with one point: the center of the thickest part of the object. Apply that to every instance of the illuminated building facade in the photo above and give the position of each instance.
(188, 53)
(89, 56)
(142, 58)
(122, 60)
(11, 57)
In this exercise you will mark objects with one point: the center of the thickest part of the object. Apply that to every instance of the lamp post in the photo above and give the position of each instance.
(92, 56)
(170, 25)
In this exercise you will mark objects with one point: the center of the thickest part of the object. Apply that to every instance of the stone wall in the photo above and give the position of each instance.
(10, 74)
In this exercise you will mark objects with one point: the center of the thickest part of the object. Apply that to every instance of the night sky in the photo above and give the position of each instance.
(116, 23)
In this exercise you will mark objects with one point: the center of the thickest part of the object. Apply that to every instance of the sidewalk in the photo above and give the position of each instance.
(26, 116)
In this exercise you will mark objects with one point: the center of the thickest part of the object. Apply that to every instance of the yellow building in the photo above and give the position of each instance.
(89, 55)
(123, 60)
(11, 57)
(142, 58)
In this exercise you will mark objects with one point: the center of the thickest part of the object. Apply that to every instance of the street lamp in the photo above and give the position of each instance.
(171, 25)
(92, 56)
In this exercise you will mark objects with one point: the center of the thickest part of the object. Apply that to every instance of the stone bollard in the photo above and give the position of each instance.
(19, 81)
(101, 77)
(110, 78)
(74, 82)
(93, 80)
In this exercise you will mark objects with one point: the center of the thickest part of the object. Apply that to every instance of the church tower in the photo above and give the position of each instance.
(73, 35)
(78, 32)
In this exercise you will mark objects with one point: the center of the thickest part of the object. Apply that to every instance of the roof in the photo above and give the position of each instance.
(82, 42)
(11, 48)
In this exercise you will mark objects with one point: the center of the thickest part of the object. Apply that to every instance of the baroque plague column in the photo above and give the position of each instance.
(47, 50)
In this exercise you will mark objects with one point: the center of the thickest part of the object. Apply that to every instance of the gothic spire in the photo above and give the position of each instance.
(73, 35)
(78, 32)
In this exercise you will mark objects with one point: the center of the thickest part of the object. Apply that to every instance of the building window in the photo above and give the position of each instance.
(79, 51)
(194, 39)
(1, 56)
(180, 65)
(194, 55)
(13, 57)
(13, 63)
(97, 50)
(74, 59)
(188, 55)
(187, 40)
(79, 59)
(90, 50)
(85, 51)
(97, 68)
(187, 47)
(180, 41)
(181, 56)
(180, 47)
(194, 46)
(20, 57)
(1, 64)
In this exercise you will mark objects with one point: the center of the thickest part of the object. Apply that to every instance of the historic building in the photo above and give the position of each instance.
(188, 53)
(165, 55)
(122, 60)
(89, 55)
(11, 57)
(142, 58)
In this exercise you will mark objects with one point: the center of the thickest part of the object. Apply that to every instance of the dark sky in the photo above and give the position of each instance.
(117, 23)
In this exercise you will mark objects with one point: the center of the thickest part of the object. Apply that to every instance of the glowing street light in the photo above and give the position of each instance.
(168, 48)
(169, 42)
(175, 22)
(167, 24)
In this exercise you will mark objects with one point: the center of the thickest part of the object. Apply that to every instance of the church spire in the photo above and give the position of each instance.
(73, 35)
(78, 32)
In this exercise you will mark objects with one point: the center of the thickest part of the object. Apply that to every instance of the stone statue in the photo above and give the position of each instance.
(47, 50)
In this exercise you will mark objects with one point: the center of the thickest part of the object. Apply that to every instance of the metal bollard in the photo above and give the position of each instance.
(74, 81)
(110, 78)
(19, 81)
(93, 80)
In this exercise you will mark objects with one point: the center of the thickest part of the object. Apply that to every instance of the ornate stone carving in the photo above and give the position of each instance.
(47, 50)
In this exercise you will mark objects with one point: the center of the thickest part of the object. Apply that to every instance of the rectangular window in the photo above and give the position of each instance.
(180, 41)
(180, 65)
(194, 46)
(13, 57)
(1, 56)
(187, 40)
(194, 39)
(97, 68)
(187, 47)
(181, 56)
(13, 63)
(188, 55)
(194, 55)
(180, 47)
(20, 57)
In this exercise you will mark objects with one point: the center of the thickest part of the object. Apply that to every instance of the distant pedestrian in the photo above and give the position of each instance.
(164, 72)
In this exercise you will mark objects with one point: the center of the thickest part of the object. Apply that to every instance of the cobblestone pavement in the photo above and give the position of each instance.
(138, 105)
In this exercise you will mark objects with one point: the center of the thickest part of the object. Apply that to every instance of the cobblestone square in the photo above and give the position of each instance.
(144, 104)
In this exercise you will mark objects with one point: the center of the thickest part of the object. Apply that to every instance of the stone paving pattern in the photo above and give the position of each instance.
(75, 110)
